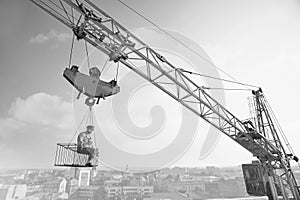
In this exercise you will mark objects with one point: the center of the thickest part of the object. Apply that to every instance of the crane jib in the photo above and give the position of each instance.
(93, 25)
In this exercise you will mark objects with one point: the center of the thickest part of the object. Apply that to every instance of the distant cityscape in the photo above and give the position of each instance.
(175, 183)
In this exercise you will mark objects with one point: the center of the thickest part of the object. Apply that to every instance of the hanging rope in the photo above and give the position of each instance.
(71, 52)
(90, 121)
(87, 54)
(86, 114)
(118, 65)
(102, 70)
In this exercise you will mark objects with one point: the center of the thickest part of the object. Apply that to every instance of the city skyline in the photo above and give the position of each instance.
(85, 183)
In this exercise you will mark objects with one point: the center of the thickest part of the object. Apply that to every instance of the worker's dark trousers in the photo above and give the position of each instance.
(87, 150)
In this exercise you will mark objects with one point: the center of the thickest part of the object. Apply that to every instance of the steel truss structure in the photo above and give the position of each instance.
(93, 25)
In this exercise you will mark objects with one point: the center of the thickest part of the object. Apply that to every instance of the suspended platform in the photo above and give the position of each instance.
(67, 156)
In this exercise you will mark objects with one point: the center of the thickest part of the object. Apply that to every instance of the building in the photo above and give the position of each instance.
(113, 182)
(172, 171)
(55, 186)
(113, 191)
(184, 185)
(212, 170)
(85, 193)
(84, 177)
(242, 185)
(10, 192)
(143, 190)
(212, 189)
(72, 185)
(226, 188)
(206, 178)
(166, 196)
(229, 188)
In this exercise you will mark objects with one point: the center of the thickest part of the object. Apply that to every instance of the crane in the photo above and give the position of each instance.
(90, 23)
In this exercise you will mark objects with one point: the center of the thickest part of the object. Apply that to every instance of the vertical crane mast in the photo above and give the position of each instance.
(280, 169)
(93, 25)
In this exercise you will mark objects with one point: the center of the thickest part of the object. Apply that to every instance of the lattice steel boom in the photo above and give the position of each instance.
(92, 24)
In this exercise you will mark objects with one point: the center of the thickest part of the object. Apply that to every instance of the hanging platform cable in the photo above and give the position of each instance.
(73, 38)
(180, 42)
(91, 121)
(80, 124)
(68, 18)
(103, 68)
(67, 153)
(71, 52)
(87, 54)
(117, 73)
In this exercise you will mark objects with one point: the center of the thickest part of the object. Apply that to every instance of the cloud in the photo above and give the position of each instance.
(8, 125)
(43, 109)
(51, 35)
(25, 145)
(29, 134)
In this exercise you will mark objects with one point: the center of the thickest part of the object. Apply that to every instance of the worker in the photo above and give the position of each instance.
(113, 83)
(95, 72)
(85, 145)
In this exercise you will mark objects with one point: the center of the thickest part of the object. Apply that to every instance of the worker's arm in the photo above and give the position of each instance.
(89, 142)
(80, 140)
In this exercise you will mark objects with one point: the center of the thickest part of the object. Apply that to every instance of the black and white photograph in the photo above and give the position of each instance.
(149, 100)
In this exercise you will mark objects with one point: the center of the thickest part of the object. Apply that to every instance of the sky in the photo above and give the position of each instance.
(255, 41)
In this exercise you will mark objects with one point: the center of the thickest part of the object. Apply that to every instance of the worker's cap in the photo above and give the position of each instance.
(90, 127)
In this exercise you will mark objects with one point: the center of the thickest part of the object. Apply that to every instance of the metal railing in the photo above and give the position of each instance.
(67, 156)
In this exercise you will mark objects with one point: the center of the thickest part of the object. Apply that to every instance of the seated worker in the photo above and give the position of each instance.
(85, 144)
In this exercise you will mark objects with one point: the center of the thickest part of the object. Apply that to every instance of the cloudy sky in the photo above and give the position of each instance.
(255, 41)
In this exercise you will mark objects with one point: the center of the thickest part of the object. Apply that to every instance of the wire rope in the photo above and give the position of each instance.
(92, 122)
(221, 79)
(71, 52)
(285, 139)
(176, 39)
(234, 89)
(117, 73)
(65, 10)
(78, 127)
(87, 54)
(104, 65)
(51, 9)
